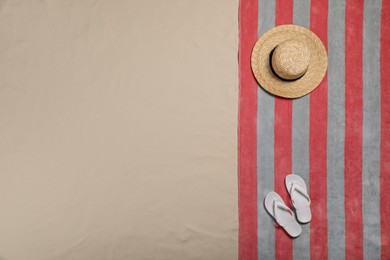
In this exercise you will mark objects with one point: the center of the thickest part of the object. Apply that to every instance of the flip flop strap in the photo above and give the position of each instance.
(296, 187)
(281, 206)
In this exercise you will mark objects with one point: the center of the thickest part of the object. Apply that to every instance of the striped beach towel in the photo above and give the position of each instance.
(337, 138)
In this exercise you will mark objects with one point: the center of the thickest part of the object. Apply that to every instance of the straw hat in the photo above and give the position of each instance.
(289, 61)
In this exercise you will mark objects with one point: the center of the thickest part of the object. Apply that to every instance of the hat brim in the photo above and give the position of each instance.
(261, 54)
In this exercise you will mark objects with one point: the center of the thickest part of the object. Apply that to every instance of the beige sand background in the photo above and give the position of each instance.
(118, 124)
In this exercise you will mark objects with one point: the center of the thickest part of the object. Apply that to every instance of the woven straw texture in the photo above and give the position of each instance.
(262, 70)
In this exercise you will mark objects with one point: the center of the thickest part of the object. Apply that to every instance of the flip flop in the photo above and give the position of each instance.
(282, 214)
(300, 199)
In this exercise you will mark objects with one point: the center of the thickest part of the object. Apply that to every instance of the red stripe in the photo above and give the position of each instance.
(385, 131)
(247, 130)
(353, 129)
(318, 143)
(283, 142)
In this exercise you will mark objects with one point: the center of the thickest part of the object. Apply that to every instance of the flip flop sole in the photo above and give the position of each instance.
(303, 212)
(289, 223)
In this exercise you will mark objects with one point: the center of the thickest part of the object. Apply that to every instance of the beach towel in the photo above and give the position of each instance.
(337, 138)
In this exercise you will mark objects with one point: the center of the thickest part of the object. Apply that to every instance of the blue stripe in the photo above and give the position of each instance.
(300, 136)
(336, 129)
(371, 130)
(265, 146)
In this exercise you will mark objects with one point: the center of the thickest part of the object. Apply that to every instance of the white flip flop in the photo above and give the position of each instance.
(300, 199)
(282, 214)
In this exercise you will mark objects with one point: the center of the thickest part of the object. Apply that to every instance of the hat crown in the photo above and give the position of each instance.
(290, 59)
